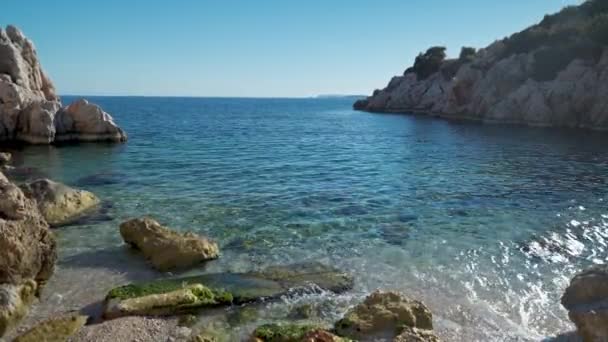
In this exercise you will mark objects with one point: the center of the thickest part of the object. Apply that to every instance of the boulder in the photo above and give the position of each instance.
(30, 110)
(5, 158)
(57, 329)
(187, 294)
(59, 203)
(586, 300)
(84, 121)
(385, 315)
(167, 249)
(416, 335)
(27, 247)
(27, 253)
(15, 301)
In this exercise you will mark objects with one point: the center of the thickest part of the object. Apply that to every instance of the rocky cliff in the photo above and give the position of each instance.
(31, 111)
(554, 73)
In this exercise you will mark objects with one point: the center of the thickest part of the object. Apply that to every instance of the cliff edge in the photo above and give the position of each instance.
(31, 111)
(552, 74)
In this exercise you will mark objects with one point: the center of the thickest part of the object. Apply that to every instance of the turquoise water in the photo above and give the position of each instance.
(486, 224)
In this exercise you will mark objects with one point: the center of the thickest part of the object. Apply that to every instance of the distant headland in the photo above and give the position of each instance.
(552, 74)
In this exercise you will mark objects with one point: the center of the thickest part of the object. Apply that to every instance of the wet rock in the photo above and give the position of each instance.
(59, 203)
(122, 303)
(384, 315)
(15, 301)
(165, 248)
(59, 329)
(190, 294)
(5, 158)
(320, 335)
(282, 332)
(586, 300)
(416, 335)
(242, 315)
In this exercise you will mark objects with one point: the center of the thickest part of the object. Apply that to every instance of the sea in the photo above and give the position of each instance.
(486, 224)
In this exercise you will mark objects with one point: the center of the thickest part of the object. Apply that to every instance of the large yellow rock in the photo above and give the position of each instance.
(384, 315)
(54, 330)
(165, 248)
(59, 203)
(15, 301)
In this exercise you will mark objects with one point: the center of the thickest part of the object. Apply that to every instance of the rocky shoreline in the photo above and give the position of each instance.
(553, 74)
(30, 109)
(167, 308)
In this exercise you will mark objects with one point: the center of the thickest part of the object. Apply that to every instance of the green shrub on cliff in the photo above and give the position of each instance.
(467, 53)
(428, 63)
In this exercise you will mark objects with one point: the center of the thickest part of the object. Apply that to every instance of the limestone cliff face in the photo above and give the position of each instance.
(552, 74)
(31, 111)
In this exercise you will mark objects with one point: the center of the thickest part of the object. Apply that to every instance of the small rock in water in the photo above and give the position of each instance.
(167, 249)
(585, 299)
(5, 158)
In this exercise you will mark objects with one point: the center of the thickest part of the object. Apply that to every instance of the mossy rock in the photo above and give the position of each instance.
(188, 294)
(283, 332)
(55, 330)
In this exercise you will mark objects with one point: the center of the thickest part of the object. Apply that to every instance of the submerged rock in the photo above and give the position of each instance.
(190, 294)
(385, 315)
(59, 203)
(165, 248)
(15, 301)
(586, 300)
(59, 329)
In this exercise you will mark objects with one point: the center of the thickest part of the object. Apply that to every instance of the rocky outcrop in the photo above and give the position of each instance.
(58, 329)
(167, 249)
(179, 295)
(59, 203)
(551, 74)
(27, 253)
(31, 111)
(586, 300)
(388, 316)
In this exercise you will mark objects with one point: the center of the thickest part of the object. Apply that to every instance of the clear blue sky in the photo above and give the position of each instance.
(252, 47)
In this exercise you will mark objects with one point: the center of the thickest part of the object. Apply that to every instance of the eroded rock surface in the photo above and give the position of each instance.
(165, 248)
(386, 315)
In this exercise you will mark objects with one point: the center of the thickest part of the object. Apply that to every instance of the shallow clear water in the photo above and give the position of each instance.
(486, 224)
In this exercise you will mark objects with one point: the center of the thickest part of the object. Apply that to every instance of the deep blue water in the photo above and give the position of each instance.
(484, 223)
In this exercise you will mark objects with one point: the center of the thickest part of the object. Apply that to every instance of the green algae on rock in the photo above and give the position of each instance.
(165, 248)
(188, 294)
(15, 301)
(56, 330)
(282, 332)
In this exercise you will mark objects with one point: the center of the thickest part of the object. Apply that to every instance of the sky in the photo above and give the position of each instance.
(252, 48)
